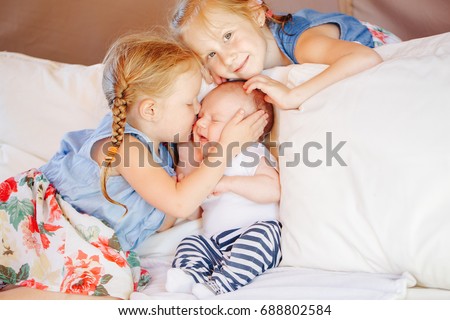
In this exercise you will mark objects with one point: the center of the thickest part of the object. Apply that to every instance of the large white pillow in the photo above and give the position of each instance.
(40, 100)
(388, 209)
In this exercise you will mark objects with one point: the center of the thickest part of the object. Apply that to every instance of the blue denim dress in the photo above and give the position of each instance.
(351, 29)
(76, 176)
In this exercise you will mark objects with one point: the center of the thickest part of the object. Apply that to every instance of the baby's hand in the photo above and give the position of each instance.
(221, 186)
(276, 93)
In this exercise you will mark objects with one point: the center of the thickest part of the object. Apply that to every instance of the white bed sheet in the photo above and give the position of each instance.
(290, 283)
(283, 283)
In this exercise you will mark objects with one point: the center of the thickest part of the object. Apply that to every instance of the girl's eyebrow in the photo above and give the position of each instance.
(216, 32)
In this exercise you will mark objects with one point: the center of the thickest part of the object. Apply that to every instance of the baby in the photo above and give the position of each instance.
(241, 233)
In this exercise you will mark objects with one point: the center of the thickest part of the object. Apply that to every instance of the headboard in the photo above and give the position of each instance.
(81, 31)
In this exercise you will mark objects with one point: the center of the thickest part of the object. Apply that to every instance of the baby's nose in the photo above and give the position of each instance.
(200, 123)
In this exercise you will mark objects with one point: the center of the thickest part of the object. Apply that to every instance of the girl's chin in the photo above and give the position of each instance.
(184, 138)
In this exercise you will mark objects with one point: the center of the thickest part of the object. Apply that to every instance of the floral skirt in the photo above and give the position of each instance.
(46, 244)
(380, 35)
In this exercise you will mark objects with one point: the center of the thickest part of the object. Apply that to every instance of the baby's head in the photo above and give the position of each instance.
(221, 104)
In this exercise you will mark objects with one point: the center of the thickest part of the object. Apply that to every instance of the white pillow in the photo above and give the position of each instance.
(14, 160)
(388, 209)
(40, 100)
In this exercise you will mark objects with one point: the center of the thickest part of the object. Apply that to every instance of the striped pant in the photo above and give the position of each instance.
(230, 259)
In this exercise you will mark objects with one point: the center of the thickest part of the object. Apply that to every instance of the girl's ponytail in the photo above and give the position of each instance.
(274, 18)
(119, 112)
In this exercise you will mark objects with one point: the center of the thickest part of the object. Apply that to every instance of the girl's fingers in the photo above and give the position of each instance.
(269, 99)
(217, 79)
(195, 136)
(256, 82)
(251, 127)
(259, 121)
(257, 85)
(207, 75)
(257, 117)
(211, 77)
(238, 116)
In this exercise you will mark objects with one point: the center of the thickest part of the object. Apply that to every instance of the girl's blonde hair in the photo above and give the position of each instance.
(187, 10)
(136, 65)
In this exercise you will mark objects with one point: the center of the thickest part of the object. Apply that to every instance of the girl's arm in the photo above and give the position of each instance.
(263, 187)
(318, 45)
(180, 198)
(189, 159)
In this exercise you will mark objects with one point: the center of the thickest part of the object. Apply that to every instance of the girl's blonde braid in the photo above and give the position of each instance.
(119, 113)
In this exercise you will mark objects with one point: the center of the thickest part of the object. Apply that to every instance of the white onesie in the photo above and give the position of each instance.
(229, 210)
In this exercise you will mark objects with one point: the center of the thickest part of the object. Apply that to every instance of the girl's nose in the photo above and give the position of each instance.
(229, 58)
(229, 61)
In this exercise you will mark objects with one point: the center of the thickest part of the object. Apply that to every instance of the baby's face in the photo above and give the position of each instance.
(217, 109)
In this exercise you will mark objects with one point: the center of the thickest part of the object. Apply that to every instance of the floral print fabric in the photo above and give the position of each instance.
(380, 35)
(46, 244)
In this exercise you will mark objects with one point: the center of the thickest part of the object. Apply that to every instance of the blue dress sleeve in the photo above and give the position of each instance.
(351, 29)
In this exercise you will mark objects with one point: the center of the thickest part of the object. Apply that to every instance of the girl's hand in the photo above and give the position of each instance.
(276, 93)
(196, 148)
(239, 131)
(218, 79)
(210, 77)
(195, 136)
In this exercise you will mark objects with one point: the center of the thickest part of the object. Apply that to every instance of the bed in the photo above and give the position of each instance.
(371, 221)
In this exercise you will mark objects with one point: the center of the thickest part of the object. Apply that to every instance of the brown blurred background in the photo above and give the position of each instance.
(80, 31)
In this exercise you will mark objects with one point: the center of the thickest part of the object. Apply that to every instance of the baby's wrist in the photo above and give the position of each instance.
(227, 184)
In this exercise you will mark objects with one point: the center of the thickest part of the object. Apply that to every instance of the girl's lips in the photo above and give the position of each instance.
(241, 66)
